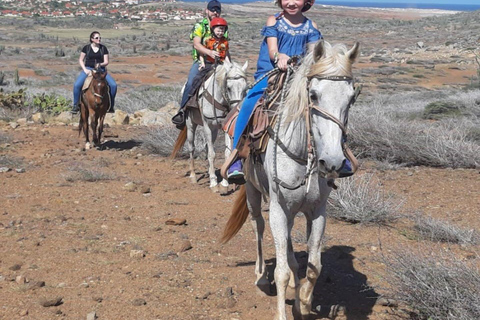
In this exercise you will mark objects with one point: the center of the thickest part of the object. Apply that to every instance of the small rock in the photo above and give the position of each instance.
(145, 189)
(84, 285)
(387, 302)
(131, 186)
(4, 169)
(20, 280)
(176, 222)
(15, 267)
(23, 313)
(44, 302)
(20, 170)
(97, 299)
(137, 254)
(36, 285)
(14, 125)
(139, 302)
(186, 245)
(92, 316)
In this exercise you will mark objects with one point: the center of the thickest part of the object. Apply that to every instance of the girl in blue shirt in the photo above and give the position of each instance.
(286, 34)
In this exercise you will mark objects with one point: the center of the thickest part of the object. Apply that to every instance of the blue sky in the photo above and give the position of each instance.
(411, 1)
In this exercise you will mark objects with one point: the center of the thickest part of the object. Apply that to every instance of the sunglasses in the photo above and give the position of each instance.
(98, 38)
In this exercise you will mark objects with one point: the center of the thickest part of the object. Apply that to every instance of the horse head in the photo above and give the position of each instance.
(235, 82)
(99, 87)
(327, 74)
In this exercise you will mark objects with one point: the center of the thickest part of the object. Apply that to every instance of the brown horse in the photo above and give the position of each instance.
(94, 104)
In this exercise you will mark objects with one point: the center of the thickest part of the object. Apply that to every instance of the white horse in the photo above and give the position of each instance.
(225, 88)
(298, 169)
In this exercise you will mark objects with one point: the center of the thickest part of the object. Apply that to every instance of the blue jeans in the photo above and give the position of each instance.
(77, 87)
(246, 109)
(188, 86)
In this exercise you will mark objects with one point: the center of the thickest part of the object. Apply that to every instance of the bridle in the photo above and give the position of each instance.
(311, 160)
(98, 82)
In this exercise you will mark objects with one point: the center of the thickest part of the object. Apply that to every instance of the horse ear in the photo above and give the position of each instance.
(245, 66)
(319, 50)
(227, 65)
(354, 52)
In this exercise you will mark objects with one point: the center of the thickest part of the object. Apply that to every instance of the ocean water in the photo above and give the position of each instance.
(441, 6)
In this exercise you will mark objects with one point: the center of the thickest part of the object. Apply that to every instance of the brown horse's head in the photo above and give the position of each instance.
(97, 93)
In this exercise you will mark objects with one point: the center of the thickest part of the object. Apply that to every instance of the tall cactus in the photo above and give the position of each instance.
(16, 78)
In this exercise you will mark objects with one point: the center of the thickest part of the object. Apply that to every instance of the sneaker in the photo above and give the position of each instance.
(179, 119)
(75, 109)
(346, 170)
(111, 110)
(235, 173)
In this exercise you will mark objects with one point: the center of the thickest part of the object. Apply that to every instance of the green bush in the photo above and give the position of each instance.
(439, 109)
(51, 103)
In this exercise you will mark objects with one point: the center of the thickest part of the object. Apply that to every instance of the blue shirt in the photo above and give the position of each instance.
(292, 41)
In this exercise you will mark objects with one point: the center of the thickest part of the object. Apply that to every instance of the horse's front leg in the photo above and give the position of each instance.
(85, 124)
(211, 135)
(279, 227)
(191, 127)
(93, 125)
(304, 295)
(254, 203)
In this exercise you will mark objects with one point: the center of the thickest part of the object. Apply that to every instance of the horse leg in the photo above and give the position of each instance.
(191, 127)
(210, 136)
(228, 151)
(254, 203)
(279, 227)
(292, 261)
(304, 296)
(93, 124)
(100, 129)
(85, 124)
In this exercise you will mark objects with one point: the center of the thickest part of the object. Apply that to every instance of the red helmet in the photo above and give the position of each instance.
(217, 21)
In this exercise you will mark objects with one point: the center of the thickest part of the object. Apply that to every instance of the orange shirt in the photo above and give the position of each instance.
(219, 45)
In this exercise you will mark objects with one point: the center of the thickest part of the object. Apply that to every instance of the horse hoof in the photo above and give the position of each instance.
(193, 180)
(88, 146)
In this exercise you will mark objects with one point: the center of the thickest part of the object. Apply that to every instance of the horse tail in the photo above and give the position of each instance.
(182, 137)
(238, 217)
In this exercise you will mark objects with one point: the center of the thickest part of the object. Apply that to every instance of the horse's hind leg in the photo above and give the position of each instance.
(84, 122)
(210, 136)
(254, 203)
(191, 127)
(228, 151)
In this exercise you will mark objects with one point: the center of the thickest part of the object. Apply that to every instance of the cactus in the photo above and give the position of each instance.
(16, 78)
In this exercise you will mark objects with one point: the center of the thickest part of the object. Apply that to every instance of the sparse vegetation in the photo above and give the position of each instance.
(435, 285)
(87, 174)
(361, 199)
(432, 229)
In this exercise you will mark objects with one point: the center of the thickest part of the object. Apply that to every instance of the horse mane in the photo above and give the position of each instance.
(221, 73)
(334, 62)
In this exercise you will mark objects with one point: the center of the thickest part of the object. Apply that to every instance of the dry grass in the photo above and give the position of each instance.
(435, 285)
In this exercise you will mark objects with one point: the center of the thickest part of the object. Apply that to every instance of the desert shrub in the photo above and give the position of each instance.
(440, 109)
(361, 199)
(11, 161)
(86, 174)
(51, 103)
(152, 98)
(12, 105)
(160, 140)
(437, 286)
(432, 229)
(387, 129)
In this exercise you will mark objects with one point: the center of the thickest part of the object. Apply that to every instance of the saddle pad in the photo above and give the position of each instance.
(87, 82)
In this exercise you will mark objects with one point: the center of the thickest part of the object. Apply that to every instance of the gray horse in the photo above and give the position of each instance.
(226, 87)
(298, 169)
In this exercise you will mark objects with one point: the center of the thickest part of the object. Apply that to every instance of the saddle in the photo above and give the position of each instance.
(87, 82)
(198, 81)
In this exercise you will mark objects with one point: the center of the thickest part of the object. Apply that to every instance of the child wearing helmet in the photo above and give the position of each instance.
(216, 41)
(286, 34)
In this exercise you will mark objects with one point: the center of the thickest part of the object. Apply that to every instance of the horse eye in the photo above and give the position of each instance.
(314, 97)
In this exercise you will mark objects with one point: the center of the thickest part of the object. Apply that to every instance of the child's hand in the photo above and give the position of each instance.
(282, 62)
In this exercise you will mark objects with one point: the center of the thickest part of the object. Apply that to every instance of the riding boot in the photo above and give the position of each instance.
(179, 119)
(75, 109)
